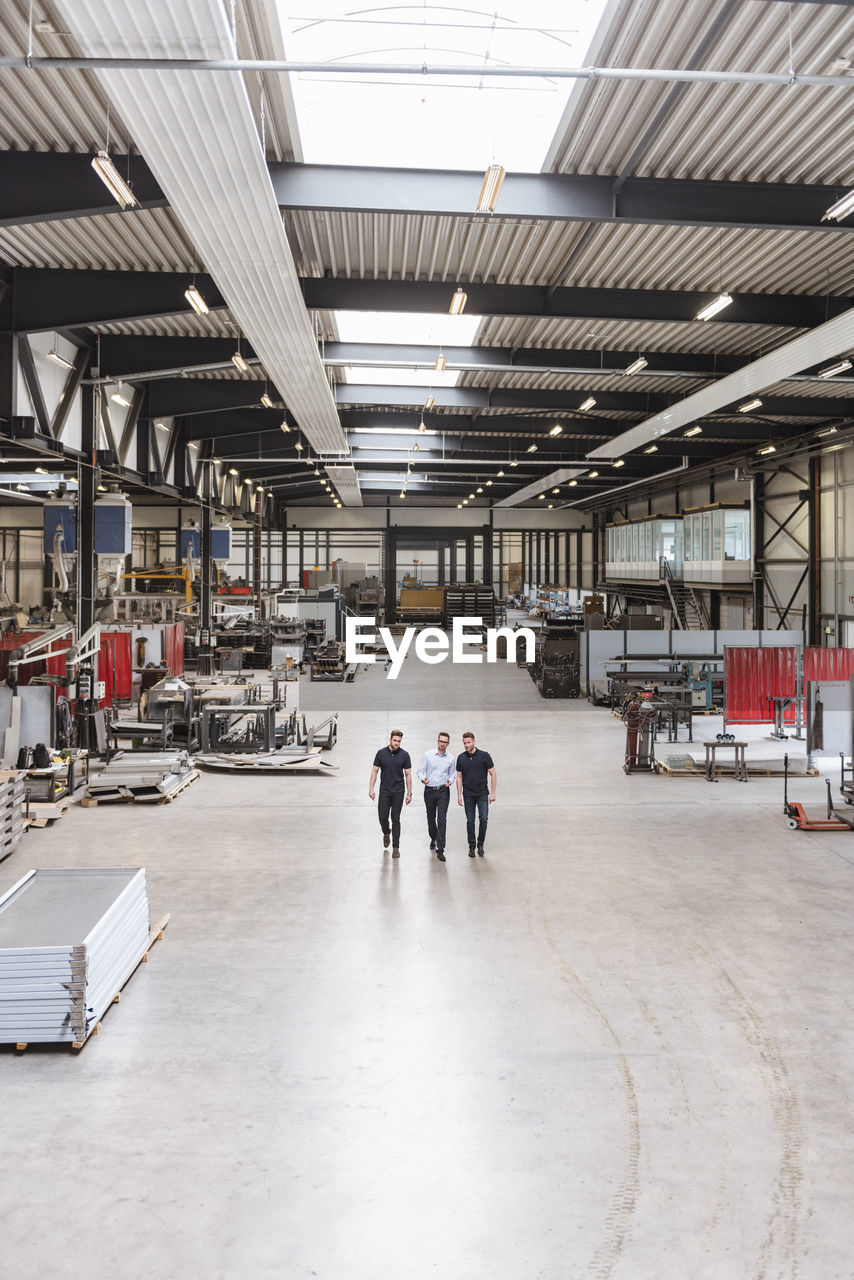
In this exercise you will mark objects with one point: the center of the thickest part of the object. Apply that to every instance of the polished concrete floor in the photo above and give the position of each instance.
(621, 1045)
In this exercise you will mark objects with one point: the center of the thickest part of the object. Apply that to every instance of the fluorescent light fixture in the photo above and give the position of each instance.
(755, 403)
(841, 366)
(248, 484)
(40, 471)
(828, 431)
(196, 301)
(712, 308)
(619, 463)
(439, 366)
(422, 426)
(840, 209)
(542, 497)
(465, 502)
(471, 495)
(239, 363)
(298, 446)
(769, 448)
(54, 355)
(232, 471)
(118, 398)
(573, 483)
(532, 448)
(591, 475)
(458, 303)
(587, 404)
(636, 365)
(113, 181)
(488, 483)
(480, 490)
(555, 490)
(492, 182)
(551, 506)
(266, 401)
(316, 472)
(556, 429)
(501, 473)
(429, 402)
(402, 494)
(161, 426)
(693, 431)
(653, 448)
(459, 506)
(285, 427)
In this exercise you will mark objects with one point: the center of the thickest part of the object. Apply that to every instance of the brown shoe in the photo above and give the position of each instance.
(386, 840)
(395, 853)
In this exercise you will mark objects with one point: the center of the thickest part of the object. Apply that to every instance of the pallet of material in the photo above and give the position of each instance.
(69, 939)
(689, 767)
(283, 760)
(154, 779)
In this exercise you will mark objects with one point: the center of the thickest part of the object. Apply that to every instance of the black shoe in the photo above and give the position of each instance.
(395, 853)
(432, 844)
(386, 839)
(471, 850)
(480, 850)
(440, 855)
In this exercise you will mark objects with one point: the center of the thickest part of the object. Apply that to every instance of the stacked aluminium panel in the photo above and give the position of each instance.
(69, 939)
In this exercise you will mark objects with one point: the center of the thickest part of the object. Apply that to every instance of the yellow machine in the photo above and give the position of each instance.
(174, 573)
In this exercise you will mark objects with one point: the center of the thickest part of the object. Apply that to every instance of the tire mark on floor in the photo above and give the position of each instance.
(779, 1254)
(618, 1219)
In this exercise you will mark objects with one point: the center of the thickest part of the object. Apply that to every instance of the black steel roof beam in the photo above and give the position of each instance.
(46, 186)
(48, 299)
(186, 397)
(125, 357)
(652, 305)
(45, 299)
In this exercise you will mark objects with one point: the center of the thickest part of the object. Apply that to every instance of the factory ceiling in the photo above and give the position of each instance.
(330, 221)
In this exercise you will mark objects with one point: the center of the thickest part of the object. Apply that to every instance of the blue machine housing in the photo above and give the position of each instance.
(113, 528)
(220, 542)
(191, 538)
(60, 516)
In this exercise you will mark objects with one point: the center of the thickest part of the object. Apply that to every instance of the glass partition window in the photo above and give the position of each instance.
(707, 535)
(737, 535)
(717, 532)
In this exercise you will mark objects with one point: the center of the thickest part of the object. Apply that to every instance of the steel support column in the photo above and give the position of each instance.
(758, 551)
(87, 481)
(814, 562)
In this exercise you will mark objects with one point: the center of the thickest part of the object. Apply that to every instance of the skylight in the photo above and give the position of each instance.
(407, 327)
(456, 122)
(399, 376)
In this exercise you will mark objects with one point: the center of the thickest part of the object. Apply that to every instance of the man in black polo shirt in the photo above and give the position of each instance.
(474, 767)
(396, 769)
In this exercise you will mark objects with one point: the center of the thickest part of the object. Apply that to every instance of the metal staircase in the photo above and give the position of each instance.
(688, 608)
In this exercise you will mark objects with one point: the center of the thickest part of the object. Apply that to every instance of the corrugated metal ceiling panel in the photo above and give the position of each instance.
(730, 132)
(138, 240)
(630, 335)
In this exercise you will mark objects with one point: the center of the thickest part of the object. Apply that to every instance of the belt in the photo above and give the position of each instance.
(435, 788)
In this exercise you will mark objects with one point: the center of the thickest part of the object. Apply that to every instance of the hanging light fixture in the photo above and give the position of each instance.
(113, 181)
(587, 404)
(831, 370)
(712, 308)
(591, 475)
(54, 355)
(238, 361)
(556, 430)
(619, 463)
(196, 300)
(532, 448)
(458, 302)
(493, 180)
(840, 209)
(429, 402)
(755, 403)
(118, 398)
(653, 448)
(693, 431)
(440, 364)
(284, 426)
(266, 400)
(636, 365)
(769, 448)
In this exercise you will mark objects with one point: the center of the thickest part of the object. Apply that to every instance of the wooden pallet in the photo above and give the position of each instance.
(41, 812)
(154, 936)
(699, 771)
(190, 778)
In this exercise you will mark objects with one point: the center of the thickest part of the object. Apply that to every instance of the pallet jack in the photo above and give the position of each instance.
(796, 814)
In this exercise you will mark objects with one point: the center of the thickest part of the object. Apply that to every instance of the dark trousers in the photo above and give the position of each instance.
(390, 805)
(479, 805)
(436, 801)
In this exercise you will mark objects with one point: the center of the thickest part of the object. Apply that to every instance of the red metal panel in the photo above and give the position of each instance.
(114, 667)
(173, 637)
(828, 664)
(753, 676)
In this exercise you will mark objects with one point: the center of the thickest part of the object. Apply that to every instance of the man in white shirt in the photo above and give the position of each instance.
(437, 771)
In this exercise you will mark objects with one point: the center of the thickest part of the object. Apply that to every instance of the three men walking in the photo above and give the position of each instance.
(473, 770)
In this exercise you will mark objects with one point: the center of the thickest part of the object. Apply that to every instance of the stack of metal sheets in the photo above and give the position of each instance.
(151, 778)
(69, 939)
(11, 811)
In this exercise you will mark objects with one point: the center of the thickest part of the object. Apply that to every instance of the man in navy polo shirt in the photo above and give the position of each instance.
(474, 767)
(396, 769)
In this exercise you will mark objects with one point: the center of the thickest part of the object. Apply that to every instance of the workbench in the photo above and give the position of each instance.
(740, 771)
